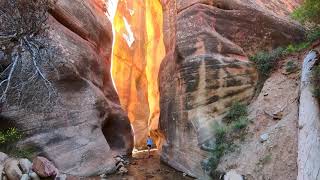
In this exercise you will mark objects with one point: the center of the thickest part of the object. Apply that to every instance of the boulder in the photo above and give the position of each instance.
(207, 68)
(75, 120)
(25, 165)
(25, 177)
(43, 167)
(12, 170)
(3, 157)
(34, 176)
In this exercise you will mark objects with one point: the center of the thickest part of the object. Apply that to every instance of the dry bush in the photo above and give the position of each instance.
(25, 55)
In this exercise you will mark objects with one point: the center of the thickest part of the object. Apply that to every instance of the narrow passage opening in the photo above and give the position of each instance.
(138, 50)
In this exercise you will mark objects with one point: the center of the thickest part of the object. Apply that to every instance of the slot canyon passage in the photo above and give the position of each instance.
(86, 84)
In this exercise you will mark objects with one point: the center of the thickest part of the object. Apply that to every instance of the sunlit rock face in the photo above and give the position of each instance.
(206, 69)
(137, 54)
(83, 126)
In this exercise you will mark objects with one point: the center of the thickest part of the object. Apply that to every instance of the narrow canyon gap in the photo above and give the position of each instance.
(137, 54)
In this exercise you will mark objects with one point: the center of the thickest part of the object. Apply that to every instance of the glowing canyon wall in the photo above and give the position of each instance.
(137, 54)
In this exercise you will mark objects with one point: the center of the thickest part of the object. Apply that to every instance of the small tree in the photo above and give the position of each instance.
(26, 54)
(309, 11)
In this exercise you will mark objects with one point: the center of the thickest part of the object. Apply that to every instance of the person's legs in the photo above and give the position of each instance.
(149, 147)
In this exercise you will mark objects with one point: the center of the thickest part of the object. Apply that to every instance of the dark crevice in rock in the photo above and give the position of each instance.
(62, 17)
(115, 132)
(219, 5)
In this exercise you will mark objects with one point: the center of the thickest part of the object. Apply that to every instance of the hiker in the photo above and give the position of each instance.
(149, 144)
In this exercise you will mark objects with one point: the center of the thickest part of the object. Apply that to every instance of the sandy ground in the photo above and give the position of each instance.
(141, 167)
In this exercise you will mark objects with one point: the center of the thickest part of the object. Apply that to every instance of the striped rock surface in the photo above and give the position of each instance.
(206, 69)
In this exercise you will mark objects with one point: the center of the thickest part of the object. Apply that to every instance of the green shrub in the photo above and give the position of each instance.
(292, 48)
(236, 111)
(27, 152)
(8, 139)
(291, 67)
(9, 136)
(220, 132)
(225, 133)
(221, 146)
(266, 61)
(265, 160)
(309, 11)
(313, 34)
(240, 124)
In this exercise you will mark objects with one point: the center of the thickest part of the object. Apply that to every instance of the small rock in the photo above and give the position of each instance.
(233, 175)
(25, 177)
(12, 170)
(34, 176)
(118, 159)
(25, 165)
(184, 174)
(264, 137)
(61, 177)
(277, 116)
(123, 170)
(44, 168)
(265, 94)
(103, 175)
(3, 158)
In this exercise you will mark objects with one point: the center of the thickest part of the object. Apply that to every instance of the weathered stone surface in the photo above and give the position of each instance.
(83, 125)
(309, 124)
(43, 167)
(206, 69)
(34, 176)
(3, 157)
(61, 177)
(232, 175)
(1, 171)
(25, 165)
(25, 177)
(12, 170)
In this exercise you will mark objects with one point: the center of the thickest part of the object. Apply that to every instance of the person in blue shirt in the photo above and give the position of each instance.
(149, 145)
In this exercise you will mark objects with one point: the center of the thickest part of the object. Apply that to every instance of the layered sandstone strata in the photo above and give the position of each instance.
(206, 69)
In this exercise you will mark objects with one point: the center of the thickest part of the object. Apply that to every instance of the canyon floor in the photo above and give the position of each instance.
(141, 167)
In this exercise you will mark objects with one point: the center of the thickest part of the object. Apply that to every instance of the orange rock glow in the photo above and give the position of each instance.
(137, 53)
